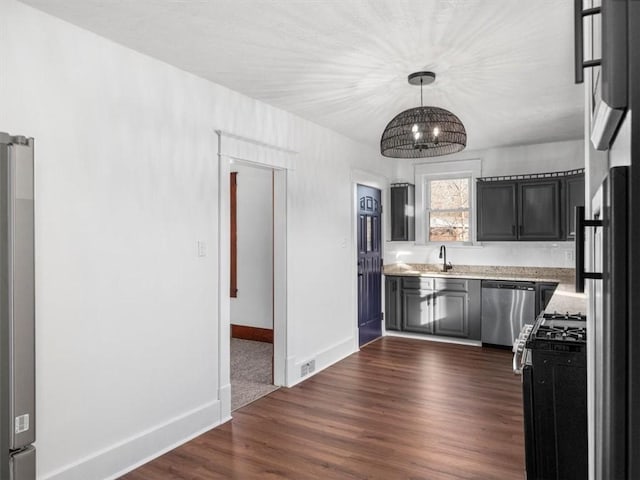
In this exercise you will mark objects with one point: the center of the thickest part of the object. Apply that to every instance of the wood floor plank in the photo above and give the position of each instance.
(398, 409)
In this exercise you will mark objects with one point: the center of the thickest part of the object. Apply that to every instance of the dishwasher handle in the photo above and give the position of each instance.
(508, 285)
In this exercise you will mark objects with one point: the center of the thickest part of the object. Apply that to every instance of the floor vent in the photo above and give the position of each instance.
(307, 368)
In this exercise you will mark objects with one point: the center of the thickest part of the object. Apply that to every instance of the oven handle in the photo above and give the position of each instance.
(517, 362)
(518, 358)
(581, 224)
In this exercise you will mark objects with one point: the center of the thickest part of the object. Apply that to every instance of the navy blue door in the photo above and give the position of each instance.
(369, 264)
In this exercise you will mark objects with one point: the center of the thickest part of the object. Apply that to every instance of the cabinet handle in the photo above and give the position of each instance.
(513, 229)
(520, 230)
(578, 17)
(580, 224)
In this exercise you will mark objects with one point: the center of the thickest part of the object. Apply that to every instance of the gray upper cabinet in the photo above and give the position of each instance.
(574, 197)
(402, 205)
(497, 214)
(539, 210)
(529, 207)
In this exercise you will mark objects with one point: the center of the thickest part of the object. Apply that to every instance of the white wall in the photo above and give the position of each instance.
(253, 306)
(547, 157)
(126, 183)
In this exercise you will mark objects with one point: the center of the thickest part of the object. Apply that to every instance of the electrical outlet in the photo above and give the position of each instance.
(568, 256)
(202, 248)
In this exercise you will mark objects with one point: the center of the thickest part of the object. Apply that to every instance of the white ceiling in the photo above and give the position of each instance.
(504, 67)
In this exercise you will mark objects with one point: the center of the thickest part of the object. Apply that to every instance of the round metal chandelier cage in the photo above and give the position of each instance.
(423, 131)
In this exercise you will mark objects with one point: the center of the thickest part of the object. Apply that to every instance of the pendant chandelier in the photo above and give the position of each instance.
(423, 131)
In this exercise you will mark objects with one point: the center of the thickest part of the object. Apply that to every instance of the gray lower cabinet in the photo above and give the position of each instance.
(392, 303)
(434, 306)
(451, 314)
(457, 308)
(417, 311)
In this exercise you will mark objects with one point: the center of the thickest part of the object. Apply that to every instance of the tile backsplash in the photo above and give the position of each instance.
(533, 254)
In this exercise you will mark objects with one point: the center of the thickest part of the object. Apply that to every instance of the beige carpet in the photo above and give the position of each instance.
(250, 371)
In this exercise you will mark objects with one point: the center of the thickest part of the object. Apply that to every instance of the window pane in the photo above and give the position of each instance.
(449, 226)
(449, 194)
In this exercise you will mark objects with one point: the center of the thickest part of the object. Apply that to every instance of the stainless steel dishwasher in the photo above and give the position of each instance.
(506, 307)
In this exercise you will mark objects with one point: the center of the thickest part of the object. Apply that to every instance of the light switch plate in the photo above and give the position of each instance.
(202, 248)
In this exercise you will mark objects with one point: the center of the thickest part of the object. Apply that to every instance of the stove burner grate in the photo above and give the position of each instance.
(564, 333)
(564, 316)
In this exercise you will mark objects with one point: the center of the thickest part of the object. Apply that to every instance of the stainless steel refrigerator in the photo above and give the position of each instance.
(17, 309)
(613, 237)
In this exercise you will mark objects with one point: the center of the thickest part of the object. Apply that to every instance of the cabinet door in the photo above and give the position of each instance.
(417, 311)
(574, 197)
(497, 212)
(402, 218)
(392, 303)
(451, 314)
(539, 210)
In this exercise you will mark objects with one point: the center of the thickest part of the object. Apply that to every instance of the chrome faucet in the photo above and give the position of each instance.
(443, 254)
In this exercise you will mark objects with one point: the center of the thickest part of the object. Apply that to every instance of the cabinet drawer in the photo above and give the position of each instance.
(451, 284)
(422, 283)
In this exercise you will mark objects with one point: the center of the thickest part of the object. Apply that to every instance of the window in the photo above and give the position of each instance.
(448, 211)
(446, 201)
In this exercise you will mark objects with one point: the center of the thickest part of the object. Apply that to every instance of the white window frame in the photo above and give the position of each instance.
(424, 173)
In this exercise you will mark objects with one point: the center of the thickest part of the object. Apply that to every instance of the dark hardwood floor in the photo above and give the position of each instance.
(398, 409)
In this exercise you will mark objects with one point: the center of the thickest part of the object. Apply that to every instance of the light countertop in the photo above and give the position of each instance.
(564, 299)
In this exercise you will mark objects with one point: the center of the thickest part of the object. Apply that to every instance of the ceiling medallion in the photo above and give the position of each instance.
(423, 131)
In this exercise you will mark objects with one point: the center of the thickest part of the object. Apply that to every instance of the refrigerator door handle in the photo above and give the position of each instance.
(579, 62)
(581, 224)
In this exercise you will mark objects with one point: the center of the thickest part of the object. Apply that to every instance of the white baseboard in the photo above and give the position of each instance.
(118, 459)
(225, 403)
(324, 359)
(433, 338)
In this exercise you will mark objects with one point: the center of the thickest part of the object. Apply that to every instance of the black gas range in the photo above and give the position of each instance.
(551, 356)
(561, 332)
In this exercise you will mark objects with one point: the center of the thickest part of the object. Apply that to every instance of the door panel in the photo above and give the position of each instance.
(451, 315)
(574, 197)
(539, 210)
(497, 211)
(369, 264)
(417, 311)
(392, 303)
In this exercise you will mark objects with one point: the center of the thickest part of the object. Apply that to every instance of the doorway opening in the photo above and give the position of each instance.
(251, 282)
(232, 150)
